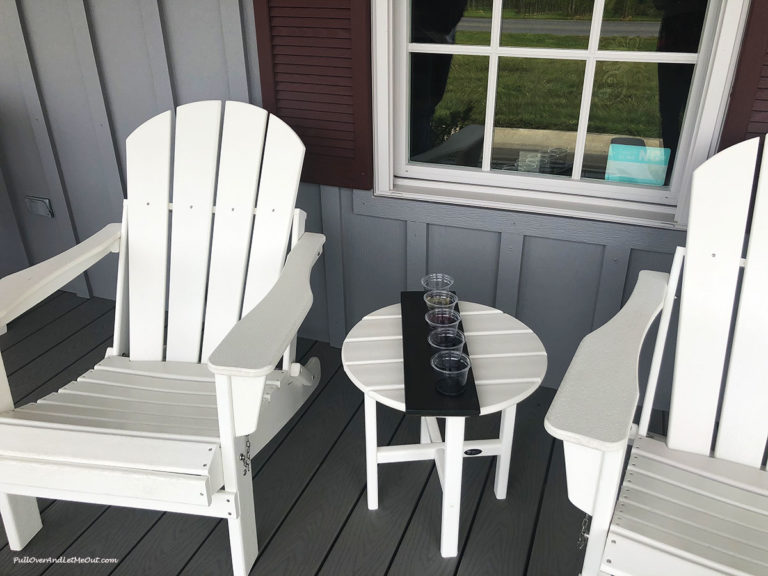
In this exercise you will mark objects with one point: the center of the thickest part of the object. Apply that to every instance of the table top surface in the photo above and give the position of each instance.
(508, 359)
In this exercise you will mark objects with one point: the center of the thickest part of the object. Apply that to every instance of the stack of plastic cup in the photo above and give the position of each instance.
(447, 342)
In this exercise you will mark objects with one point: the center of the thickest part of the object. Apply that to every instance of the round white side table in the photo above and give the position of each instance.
(508, 362)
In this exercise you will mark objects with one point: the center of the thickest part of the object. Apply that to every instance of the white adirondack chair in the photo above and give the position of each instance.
(683, 508)
(163, 421)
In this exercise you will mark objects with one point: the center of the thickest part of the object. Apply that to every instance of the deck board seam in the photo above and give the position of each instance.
(407, 525)
(306, 486)
(32, 392)
(42, 352)
(202, 543)
(353, 507)
(539, 508)
(472, 520)
(135, 544)
(44, 326)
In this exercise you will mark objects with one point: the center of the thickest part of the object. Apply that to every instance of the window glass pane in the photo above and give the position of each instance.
(635, 120)
(547, 24)
(653, 26)
(537, 115)
(448, 108)
(450, 22)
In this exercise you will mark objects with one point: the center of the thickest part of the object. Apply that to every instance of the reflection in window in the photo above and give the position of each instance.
(537, 115)
(661, 25)
(538, 121)
(637, 105)
(563, 24)
(448, 108)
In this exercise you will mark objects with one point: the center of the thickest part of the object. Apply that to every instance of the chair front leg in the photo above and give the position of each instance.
(242, 530)
(238, 479)
(21, 519)
(602, 513)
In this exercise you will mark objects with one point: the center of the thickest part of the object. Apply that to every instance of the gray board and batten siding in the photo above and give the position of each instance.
(77, 76)
(563, 277)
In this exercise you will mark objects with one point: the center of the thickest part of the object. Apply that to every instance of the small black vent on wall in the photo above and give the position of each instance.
(315, 65)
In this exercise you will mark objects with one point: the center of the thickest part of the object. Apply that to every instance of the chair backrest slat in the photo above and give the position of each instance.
(239, 168)
(148, 154)
(743, 428)
(194, 183)
(720, 196)
(280, 174)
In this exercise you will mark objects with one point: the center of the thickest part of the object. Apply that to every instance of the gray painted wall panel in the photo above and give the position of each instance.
(316, 324)
(13, 257)
(470, 256)
(251, 51)
(558, 288)
(374, 261)
(29, 163)
(120, 42)
(195, 44)
(93, 188)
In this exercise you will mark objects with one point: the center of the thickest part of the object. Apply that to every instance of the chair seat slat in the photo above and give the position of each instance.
(140, 395)
(666, 551)
(148, 382)
(123, 419)
(54, 419)
(175, 370)
(175, 410)
(675, 493)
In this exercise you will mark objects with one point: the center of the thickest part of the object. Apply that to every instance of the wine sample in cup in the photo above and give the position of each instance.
(440, 299)
(442, 318)
(451, 368)
(437, 281)
(446, 339)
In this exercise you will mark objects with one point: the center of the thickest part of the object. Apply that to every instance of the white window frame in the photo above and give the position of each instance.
(588, 198)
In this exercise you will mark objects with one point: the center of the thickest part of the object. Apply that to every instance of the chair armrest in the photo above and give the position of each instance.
(255, 344)
(596, 401)
(22, 290)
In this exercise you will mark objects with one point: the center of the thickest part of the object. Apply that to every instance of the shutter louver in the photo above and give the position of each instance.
(747, 115)
(315, 66)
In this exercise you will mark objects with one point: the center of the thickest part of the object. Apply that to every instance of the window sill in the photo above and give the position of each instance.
(522, 200)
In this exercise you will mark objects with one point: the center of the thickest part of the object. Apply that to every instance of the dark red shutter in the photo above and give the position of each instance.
(315, 65)
(748, 108)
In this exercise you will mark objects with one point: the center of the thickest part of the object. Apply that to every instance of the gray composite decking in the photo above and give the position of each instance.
(309, 485)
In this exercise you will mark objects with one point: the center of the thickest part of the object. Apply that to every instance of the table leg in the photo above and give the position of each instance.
(371, 453)
(454, 459)
(424, 436)
(506, 431)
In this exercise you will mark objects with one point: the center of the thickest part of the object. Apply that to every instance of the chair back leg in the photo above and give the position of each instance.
(21, 519)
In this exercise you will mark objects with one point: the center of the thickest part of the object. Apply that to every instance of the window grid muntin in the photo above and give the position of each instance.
(494, 51)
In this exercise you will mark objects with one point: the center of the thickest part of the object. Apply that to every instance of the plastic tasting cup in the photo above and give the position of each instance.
(437, 281)
(442, 318)
(440, 299)
(451, 368)
(446, 339)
